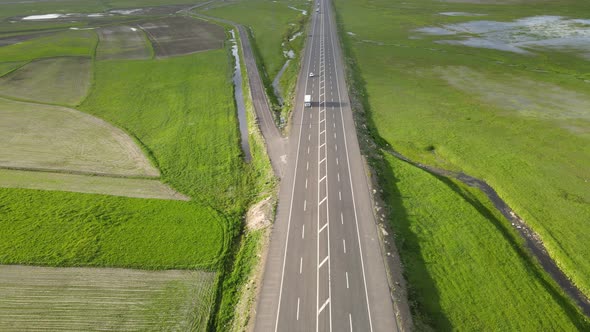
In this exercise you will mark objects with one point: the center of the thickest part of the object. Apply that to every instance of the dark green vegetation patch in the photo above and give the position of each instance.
(72, 229)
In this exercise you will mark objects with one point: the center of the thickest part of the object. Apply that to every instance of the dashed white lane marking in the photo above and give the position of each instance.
(323, 262)
(353, 200)
(305, 183)
(297, 308)
(334, 124)
(310, 124)
(334, 135)
(338, 177)
(347, 285)
(341, 218)
(304, 206)
(301, 268)
(336, 160)
(336, 147)
(323, 306)
(308, 165)
(340, 195)
(309, 137)
(308, 149)
(290, 211)
(344, 245)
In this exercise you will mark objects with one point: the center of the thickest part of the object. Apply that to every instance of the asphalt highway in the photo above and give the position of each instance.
(324, 270)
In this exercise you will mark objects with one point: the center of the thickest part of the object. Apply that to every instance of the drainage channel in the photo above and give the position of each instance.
(239, 97)
(533, 242)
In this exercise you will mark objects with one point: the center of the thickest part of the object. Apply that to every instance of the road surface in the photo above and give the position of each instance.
(324, 270)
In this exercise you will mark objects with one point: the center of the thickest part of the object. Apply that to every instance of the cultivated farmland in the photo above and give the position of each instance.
(44, 137)
(93, 299)
(446, 84)
(180, 110)
(182, 35)
(63, 80)
(122, 42)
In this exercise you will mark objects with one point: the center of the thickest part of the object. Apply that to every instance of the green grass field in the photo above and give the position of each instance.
(517, 121)
(71, 229)
(466, 267)
(63, 80)
(180, 110)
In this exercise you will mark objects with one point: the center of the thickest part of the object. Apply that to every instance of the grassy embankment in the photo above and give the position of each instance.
(236, 293)
(408, 86)
(272, 25)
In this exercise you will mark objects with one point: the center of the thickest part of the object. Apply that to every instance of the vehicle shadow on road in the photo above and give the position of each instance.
(423, 296)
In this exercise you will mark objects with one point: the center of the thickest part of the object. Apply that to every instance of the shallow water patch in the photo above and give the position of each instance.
(239, 98)
(519, 36)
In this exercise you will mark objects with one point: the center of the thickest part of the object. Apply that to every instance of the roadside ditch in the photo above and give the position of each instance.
(532, 239)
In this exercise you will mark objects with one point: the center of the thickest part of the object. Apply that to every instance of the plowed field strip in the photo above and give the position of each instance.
(88, 299)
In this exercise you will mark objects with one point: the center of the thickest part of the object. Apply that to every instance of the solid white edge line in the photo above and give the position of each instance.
(292, 195)
(351, 186)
